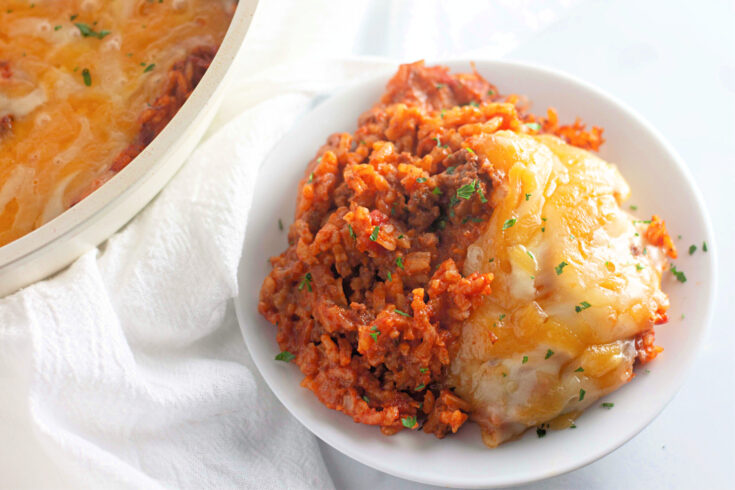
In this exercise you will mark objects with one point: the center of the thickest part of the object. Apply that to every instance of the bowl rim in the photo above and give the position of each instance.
(478, 482)
(129, 178)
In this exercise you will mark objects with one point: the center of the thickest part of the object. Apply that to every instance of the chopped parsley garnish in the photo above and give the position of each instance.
(533, 126)
(508, 223)
(581, 394)
(528, 196)
(390, 276)
(280, 224)
(580, 369)
(450, 170)
(374, 234)
(440, 86)
(470, 150)
(540, 432)
(491, 259)
(474, 104)
(692, 249)
(442, 113)
(607, 405)
(420, 387)
(573, 426)
(543, 229)
(644, 221)
(402, 313)
(634, 207)
(504, 374)
(352, 232)
(73, 17)
(56, 28)
(87, 77)
(88, 31)
(285, 356)
(152, 66)
(399, 262)
(421, 180)
(374, 333)
(528, 252)
(491, 92)
(423, 370)
(582, 306)
(306, 281)
(400, 236)
(409, 422)
(481, 194)
(639, 267)
(680, 276)
(704, 246)
(525, 360)
(466, 191)
(502, 315)
(311, 178)
(367, 400)
(436, 191)
(560, 268)
(549, 353)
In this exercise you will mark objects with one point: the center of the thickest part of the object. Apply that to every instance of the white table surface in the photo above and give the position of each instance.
(674, 62)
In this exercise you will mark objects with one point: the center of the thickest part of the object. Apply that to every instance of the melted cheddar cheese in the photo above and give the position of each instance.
(575, 283)
(75, 75)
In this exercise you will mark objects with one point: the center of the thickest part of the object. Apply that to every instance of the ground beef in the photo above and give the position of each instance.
(368, 297)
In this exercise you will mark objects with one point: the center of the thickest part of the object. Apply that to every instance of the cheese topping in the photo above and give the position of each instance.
(575, 282)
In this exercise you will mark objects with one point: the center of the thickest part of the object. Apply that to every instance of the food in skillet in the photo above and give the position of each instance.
(459, 258)
(85, 85)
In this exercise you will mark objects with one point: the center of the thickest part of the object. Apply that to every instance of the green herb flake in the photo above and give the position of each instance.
(367, 400)
(150, 67)
(470, 150)
(525, 360)
(409, 422)
(88, 31)
(420, 387)
(450, 170)
(533, 126)
(692, 249)
(56, 28)
(421, 180)
(528, 196)
(508, 223)
(352, 232)
(424, 370)
(87, 77)
(582, 306)
(311, 178)
(639, 267)
(399, 262)
(644, 221)
(436, 191)
(573, 426)
(285, 356)
(504, 374)
(402, 313)
(580, 369)
(474, 104)
(560, 268)
(374, 234)
(74, 16)
(502, 315)
(390, 276)
(491, 92)
(634, 207)
(440, 86)
(680, 276)
(607, 405)
(581, 394)
(306, 281)
(549, 353)
(466, 191)
(491, 259)
(704, 246)
(374, 333)
(280, 224)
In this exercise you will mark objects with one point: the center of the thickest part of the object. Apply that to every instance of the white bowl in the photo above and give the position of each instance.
(660, 183)
(57, 243)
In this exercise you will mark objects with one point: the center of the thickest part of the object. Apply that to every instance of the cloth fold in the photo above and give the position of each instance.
(128, 368)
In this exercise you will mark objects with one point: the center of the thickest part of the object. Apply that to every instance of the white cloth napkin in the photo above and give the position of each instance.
(128, 369)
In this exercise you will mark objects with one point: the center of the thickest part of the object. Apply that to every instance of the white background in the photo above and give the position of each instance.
(674, 63)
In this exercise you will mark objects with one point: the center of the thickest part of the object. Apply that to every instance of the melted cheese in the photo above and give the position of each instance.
(65, 133)
(571, 245)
